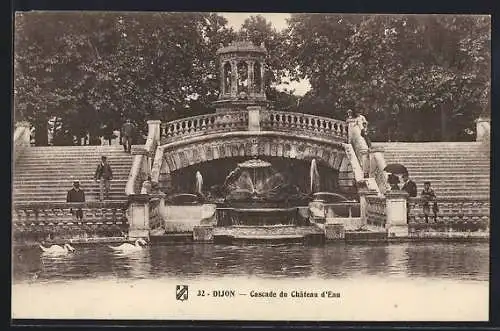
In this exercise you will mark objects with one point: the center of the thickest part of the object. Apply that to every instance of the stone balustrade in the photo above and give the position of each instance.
(273, 120)
(204, 124)
(270, 120)
(464, 214)
(40, 219)
(355, 163)
(143, 159)
(347, 209)
(376, 210)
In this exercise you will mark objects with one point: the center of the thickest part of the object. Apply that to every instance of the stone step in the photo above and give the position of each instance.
(430, 144)
(440, 172)
(63, 190)
(41, 198)
(80, 155)
(434, 160)
(34, 160)
(68, 167)
(428, 158)
(59, 183)
(52, 176)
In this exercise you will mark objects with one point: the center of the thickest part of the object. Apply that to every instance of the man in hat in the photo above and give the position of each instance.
(393, 181)
(409, 187)
(429, 197)
(76, 194)
(128, 130)
(105, 175)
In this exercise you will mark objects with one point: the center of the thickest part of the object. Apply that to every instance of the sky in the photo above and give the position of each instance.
(278, 20)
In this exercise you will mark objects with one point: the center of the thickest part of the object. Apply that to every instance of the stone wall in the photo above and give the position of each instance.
(184, 218)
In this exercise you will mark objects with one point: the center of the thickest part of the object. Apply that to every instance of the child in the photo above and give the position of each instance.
(429, 196)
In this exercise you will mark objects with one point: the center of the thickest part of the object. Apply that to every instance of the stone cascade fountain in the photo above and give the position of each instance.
(258, 195)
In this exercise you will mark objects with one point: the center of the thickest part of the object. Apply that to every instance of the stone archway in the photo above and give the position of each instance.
(330, 154)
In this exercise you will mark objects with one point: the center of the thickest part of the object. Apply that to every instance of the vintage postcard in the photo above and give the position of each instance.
(251, 166)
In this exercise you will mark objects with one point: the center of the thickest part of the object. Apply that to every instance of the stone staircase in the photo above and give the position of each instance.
(455, 169)
(45, 174)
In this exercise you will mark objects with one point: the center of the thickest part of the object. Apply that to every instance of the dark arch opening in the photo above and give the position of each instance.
(227, 77)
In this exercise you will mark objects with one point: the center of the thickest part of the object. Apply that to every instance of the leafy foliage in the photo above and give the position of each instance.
(414, 77)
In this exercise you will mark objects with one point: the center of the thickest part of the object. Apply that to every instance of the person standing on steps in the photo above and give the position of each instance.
(429, 197)
(76, 194)
(409, 187)
(128, 131)
(105, 175)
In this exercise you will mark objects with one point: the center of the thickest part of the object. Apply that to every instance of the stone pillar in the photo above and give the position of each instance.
(253, 118)
(154, 126)
(396, 217)
(222, 78)
(22, 134)
(234, 78)
(138, 216)
(483, 125)
(262, 85)
(251, 79)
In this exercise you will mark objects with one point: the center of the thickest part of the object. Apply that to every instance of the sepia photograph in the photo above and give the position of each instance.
(250, 166)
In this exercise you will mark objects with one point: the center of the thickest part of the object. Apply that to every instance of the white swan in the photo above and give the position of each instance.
(127, 247)
(56, 249)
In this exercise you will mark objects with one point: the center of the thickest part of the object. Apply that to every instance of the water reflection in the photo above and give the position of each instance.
(433, 260)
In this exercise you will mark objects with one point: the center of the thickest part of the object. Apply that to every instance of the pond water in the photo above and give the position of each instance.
(460, 261)
(443, 269)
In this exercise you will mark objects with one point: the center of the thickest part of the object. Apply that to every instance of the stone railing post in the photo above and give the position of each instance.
(483, 127)
(396, 222)
(376, 168)
(253, 118)
(22, 134)
(363, 204)
(359, 145)
(154, 126)
(138, 216)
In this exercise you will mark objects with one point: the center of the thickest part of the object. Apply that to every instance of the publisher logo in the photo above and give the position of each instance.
(181, 292)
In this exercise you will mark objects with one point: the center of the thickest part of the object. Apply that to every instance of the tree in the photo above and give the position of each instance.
(396, 69)
(92, 70)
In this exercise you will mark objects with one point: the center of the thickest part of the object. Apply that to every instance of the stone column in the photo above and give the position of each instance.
(222, 78)
(262, 71)
(154, 126)
(396, 217)
(253, 118)
(234, 78)
(138, 216)
(483, 125)
(251, 82)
